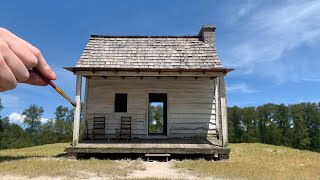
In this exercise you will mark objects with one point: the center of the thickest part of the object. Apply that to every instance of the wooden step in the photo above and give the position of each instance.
(157, 155)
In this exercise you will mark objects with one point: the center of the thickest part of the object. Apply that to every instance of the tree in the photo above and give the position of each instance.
(263, 119)
(63, 123)
(1, 125)
(33, 121)
(59, 124)
(249, 118)
(235, 125)
(268, 124)
(1, 107)
(301, 139)
(156, 118)
(12, 135)
(284, 124)
(312, 118)
(48, 133)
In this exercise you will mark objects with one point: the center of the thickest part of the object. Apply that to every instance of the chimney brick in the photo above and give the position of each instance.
(207, 34)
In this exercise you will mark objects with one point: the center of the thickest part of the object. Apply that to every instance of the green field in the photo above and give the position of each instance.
(247, 161)
(259, 161)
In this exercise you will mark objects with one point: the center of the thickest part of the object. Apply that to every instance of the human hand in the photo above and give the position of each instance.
(17, 58)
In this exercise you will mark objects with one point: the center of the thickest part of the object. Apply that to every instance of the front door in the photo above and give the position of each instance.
(157, 118)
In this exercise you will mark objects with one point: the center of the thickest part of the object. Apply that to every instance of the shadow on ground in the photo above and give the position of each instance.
(13, 158)
(134, 156)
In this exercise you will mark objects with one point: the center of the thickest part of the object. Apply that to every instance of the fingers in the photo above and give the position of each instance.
(7, 79)
(24, 54)
(35, 80)
(16, 66)
(43, 67)
(17, 58)
(30, 60)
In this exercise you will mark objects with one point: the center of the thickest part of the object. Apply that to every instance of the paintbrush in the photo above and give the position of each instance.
(54, 86)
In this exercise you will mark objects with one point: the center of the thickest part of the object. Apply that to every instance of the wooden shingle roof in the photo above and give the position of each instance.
(148, 52)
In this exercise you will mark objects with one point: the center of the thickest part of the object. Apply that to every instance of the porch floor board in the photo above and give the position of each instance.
(145, 146)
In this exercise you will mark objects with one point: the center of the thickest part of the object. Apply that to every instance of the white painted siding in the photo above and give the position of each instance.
(191, 103)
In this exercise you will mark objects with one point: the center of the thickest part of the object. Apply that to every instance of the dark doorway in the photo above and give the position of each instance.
(157, 117)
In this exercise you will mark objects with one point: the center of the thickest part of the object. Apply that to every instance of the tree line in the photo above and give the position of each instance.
(296, 125)
(34, 132)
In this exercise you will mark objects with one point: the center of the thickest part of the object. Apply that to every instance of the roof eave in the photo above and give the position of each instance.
(222, 70)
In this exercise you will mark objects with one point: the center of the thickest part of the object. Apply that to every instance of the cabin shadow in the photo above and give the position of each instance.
(14, 158)
(137, 156)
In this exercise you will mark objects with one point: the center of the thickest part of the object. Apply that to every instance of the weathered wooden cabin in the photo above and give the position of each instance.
(152, 94)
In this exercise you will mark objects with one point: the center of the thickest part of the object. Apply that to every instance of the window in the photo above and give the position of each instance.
(120, 104)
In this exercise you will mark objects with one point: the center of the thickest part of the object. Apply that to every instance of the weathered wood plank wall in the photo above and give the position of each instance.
(191, 103)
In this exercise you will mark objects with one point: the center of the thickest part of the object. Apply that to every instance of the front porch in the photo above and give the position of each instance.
(172, 146)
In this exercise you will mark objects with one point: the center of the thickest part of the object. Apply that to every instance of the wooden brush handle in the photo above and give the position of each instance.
(43, 77)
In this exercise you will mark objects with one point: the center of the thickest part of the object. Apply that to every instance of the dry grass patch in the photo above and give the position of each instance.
(259, 161)
(42, 161)
(34, 167)
(49, 150)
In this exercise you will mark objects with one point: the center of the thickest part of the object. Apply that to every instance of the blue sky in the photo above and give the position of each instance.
(274, 45)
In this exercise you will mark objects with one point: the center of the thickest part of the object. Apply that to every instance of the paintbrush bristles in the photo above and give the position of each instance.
(65, 96)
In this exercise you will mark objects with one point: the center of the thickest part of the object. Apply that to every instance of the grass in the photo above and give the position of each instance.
(258, 161)
(49, 150)
(247, 161)
(46, 160)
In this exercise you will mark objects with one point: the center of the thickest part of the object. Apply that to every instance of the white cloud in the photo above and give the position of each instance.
(243, 10)
(269, 32)
(240, 88)
(18, 118)
(44, 120)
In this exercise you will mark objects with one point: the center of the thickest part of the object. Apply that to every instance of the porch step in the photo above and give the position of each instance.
(157, 155)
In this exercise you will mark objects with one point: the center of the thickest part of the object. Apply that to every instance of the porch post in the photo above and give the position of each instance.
(76, 121)
(217, 106)
(223, 106)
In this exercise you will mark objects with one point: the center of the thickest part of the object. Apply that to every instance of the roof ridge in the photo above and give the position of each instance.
(111, 36)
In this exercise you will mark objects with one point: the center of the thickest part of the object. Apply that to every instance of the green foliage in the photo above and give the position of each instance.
(48, 133)
(295, 125)
(301, 138)
(12, 135)
(284, 124)
(1, 123)
(249, 118)
(156, 114)
(1, 107)
(235, 127)
(63, 124)
(33, 121)
(36, 133)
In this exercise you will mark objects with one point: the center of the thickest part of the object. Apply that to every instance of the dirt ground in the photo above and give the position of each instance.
(154, 169)
(160, 170)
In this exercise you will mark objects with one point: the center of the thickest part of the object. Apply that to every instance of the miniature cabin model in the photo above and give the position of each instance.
(151, 94)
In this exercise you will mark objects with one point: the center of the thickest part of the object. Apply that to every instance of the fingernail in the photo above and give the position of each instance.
(54, 74)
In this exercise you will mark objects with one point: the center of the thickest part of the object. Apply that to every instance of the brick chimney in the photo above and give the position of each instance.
(207, 34)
